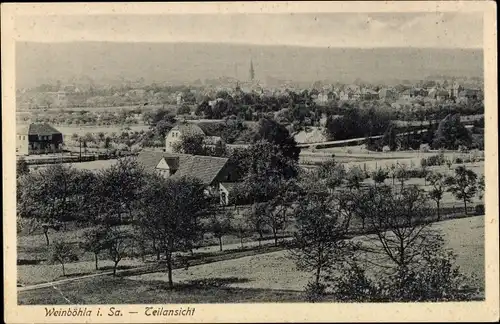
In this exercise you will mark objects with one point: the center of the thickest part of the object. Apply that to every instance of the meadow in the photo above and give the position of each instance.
(269, 277)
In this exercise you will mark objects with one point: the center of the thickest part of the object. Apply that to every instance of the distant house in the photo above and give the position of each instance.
(432, 93)
(38, 139)
(387, 94)
(369, 94)
(322, 99)
(346, 95)
(179, 98)
(442, 95)
(406, 95)
(455, 90)
(210, 171)
(187, 129)
(468, 94)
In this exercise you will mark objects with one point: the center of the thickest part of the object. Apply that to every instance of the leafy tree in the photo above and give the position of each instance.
(219, 224)
(162, 128)
(172, 211)
(118, 242)
(241, 230)
(277, 134)
(266, 167)
(319, 241)
(204, 109)
(407, 242)
(435, 277)
(354, 177)
(22, 167)
(402, 174)
(154, 117)
(451, 133)
(463, 185)
(277, 209)
(481, 187)
(191, 144)
(184, 110)
(256, 220)
(390, 138)
(379, 176)
(62, 253)
(219, 149)
(232, 130)
(333, 173)
(120, 189)
(94, 240)
(48, 196)
(437, 181)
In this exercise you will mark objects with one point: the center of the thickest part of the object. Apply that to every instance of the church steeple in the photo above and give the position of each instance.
(252, 72)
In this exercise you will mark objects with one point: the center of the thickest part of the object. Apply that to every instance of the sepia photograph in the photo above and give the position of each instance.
(239, 153)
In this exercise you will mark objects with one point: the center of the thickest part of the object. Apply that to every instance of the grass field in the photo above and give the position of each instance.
(270, 277)
(277, 271)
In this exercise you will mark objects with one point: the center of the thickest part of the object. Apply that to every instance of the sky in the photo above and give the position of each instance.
(360, 30)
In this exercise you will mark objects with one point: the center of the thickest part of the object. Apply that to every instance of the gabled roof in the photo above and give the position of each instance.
(189, 129)
(204, 168)
(38, 129)
(171, 162)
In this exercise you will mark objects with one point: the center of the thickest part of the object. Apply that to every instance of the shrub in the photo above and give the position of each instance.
(459, 160)
(352, 285)
(435, 160)
(315, 292)
(436, 278)
(417, 173)
(479, 209)
(424, 148)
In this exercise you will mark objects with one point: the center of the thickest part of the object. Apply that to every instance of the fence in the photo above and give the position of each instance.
(74, 158)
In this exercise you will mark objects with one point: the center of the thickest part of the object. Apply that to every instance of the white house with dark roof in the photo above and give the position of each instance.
(175, 134)
(187, 129)
(38, 139)
(211, 171)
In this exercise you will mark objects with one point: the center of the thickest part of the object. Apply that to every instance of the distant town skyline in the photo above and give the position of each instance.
(360, 30)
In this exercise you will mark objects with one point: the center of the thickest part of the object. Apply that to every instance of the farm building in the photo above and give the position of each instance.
(211, 171)
(186, 129)
(38, 139)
